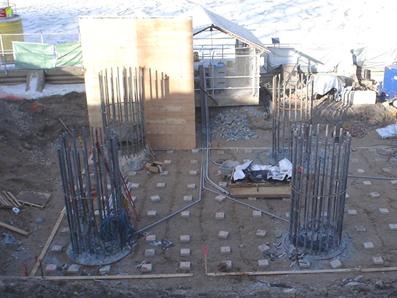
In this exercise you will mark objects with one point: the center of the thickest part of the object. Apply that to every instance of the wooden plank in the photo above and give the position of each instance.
(14, 229)
(34, 199)
(117, 277)
(260, 190)
(48, 243)
(301, 272)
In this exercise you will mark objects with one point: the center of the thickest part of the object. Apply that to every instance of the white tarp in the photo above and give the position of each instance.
(389, 131)
(281, 172)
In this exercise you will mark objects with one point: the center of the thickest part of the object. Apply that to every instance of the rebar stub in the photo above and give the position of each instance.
(319, 255)
(96, 259)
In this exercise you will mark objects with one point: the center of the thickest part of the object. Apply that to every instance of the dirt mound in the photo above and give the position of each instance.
(27, 132)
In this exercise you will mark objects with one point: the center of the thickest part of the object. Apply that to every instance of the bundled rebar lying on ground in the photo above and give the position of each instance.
(288, 107)
(95, 200)
(122, 99)
(320, 157)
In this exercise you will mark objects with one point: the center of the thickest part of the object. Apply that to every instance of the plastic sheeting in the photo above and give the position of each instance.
(29, 55)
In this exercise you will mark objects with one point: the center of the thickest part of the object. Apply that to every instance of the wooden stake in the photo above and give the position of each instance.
(14, 229)
(48, 243)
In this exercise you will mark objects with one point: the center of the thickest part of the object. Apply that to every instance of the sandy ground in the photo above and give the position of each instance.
(28, 131)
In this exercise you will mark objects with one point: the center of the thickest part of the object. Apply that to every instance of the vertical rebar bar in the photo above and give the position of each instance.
(286, 110)
(97, 214)
(123, 113)
(320, 158)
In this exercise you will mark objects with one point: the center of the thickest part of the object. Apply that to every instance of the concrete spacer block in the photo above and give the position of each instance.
(164, 173)
(352, 211)
(222, 184)
(393, 182)
(263, 247)
(57, 248)
(146, 268)
(287, 214)
(196, 150)
(133, 185)
(193, 172)
(386, 170)
(73, 269)
(151, 213)
(347, 196)
(188, 198)
(155, 198)
(170, 151)
(377, 260)
(367, 182)
(256, 213)
(160, 185)
(225, 249)
(220, 152)
(335, 264)
(227, 265)
(223, 234)
(360, 171)
(219, 215)
(368, 244)
(263, 263)
(383, 210)
(260, 233)
(105, 270)
(185, 213)
(220, 198)
(150, 238)
(65, 230)
(360, 228)
(374, 194)
(51, 268)
(191, 186)
(193, 161)
(184, 266)
(167, 162)
(184, 252)
(184, 238)
(393, 226)
(251, 199)
(149, 252)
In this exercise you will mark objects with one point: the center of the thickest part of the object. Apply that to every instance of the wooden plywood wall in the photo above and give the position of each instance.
(163, 46)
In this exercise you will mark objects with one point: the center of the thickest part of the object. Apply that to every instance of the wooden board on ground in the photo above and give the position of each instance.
(34, 199)
(265, 190)
(8, 200)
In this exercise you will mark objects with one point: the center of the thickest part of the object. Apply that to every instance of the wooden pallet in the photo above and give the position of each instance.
(262, 190)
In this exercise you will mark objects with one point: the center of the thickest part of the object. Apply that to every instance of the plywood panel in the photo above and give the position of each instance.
(106, 42)
(164, 47)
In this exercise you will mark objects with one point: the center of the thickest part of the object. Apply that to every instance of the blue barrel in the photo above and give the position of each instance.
(390, 81)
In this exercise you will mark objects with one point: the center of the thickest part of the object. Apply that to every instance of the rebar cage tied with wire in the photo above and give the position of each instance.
(96, 206)
(288, 106)
(122, 107)
(320, 157)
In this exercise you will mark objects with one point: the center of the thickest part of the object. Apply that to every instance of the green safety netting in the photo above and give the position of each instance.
(43, 56)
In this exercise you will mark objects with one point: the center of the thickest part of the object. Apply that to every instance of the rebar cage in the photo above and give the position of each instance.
(320, 157)
(95, 201)
(122, 106)
(288, 106)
